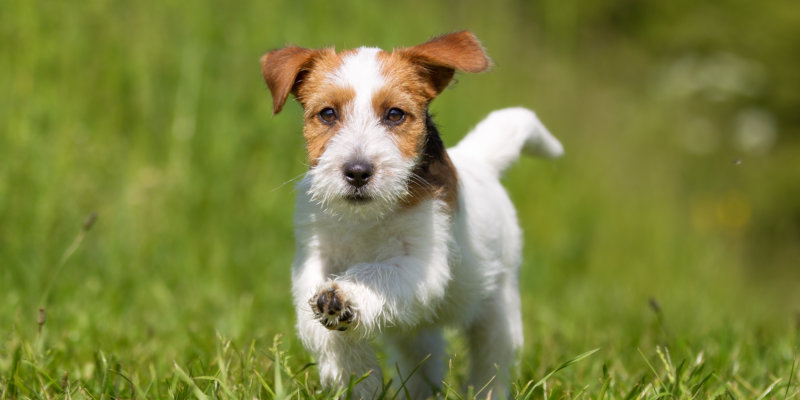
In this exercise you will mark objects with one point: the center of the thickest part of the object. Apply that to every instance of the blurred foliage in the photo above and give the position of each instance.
(680, 183)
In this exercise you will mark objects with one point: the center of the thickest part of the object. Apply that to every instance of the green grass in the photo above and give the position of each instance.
(667, 238)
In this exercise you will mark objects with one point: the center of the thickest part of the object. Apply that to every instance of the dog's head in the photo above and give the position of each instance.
(366, 115)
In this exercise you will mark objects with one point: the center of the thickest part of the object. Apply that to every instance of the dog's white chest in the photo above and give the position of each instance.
(342, 248)
(409, 233)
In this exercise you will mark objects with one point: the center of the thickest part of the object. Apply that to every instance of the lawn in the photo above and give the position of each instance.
(146, 194)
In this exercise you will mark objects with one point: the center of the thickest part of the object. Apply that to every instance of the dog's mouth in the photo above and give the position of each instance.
(357, 198)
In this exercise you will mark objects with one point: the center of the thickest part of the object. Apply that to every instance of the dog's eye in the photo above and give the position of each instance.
(328, 116)
(394, 116)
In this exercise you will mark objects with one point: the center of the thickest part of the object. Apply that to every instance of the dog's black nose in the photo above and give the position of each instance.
(357, 173)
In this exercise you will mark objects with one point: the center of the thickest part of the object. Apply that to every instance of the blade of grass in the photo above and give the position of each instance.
(265, 385)
(88, 222)
(410, 374)
(769, 388)
(130, 382)
(791, 376)
(559, 368)
(696, 388)
(449, 389)
(11, 391)
(655, 374)
(181, 374)
(349, 388)
(42, 373)
(225, 389)
(478, 393)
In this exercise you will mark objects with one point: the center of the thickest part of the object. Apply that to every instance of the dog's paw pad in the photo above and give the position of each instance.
(332, 309)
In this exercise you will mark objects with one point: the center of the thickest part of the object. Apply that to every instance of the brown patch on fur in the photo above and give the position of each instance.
(441, 56)
(304, 73)
(314, 83)
(410, 134)
(415, 76)
(316, 93)
(409, 89)
(282, 69)
(435, 175)
(316, 133)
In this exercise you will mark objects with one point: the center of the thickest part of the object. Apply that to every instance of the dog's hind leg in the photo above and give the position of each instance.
(421, 377)
(494, 337)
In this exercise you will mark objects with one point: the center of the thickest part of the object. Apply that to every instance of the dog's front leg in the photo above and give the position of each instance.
(400, 291)
(340, 356)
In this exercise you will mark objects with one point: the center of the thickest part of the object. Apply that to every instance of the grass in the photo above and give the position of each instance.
(667, 238)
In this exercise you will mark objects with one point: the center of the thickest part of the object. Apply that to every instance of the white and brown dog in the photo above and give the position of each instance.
(395, 234)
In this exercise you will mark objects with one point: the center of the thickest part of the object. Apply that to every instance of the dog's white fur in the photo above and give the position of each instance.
(409, 272)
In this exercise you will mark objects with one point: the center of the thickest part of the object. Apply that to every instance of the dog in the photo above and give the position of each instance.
(395, 235)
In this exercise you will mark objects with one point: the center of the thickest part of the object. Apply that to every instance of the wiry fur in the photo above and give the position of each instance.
(437, 243)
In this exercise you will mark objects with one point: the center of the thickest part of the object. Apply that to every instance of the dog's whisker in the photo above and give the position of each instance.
(288, 182)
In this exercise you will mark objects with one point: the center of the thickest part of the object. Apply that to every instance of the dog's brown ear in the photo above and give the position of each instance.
(443, 55)
(282, 71)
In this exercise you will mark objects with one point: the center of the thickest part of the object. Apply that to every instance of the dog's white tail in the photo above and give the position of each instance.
(499, 139)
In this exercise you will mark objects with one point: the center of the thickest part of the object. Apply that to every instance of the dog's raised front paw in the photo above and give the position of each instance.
(332, 308)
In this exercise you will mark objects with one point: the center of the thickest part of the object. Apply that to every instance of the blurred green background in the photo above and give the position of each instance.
(679, 191)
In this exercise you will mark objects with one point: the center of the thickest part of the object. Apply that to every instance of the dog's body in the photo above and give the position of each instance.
(395, 234)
